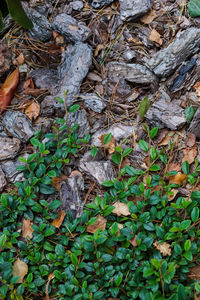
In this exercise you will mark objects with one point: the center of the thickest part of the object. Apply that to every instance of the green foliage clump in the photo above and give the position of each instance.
(105, 263)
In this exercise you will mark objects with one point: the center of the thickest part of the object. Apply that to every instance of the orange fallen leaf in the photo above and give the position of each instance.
(189, 154)
(148, 18)
(19, 60)
(33, 111)
(56, 181)
(177, 179)
(197, 88)
(28, 84)
(20, 269)
(58, 221)
(100, 223)
(165, 140)
(133, 241)
(27, 229)
(164, 248)
(121, 209)
(8, 89)
(155, 37)
(110, 146)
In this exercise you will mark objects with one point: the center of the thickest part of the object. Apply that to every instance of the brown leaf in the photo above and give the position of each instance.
(98, 49)
(121, 209)
(34, 92)
(189, 154)
(190, 139)
(19, 60)
(133, 241)
(8, 89)
(175, 192)
(58, 222)
(20, 269)
(50, 277)
(56, 181)
(28, 84)
(148, 18)
(100, 223)
(194, 273)
(155, 37)
(27, 229)
(178, 178)
(174, 167)
(33, 111)
(165, 139)
(110, 146)
(197, 88)
(164, 248)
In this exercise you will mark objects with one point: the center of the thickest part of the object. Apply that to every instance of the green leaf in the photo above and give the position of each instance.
(194, 8)
(51, 173)
(185, 167)
(3, 239)
(94, 151)
(195, 196)
(148, 272)
(47, 189)
(154, 168)
(187, 245)
(153, 132)
(127, 151)
(116, 158)
(189, 113)
(195, 214)
(144, 106)
(74, 259)
(108, 183)
(178, 249)
(18, 14)
(60, 250)
(107, 138)
(182, 293)
(143, 145)
(74, 108)
(55, 204)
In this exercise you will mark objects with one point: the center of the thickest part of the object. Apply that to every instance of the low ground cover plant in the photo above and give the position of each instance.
(139, 241)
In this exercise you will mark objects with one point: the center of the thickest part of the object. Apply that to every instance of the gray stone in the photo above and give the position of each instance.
(93, 102)
(134, 73)
(3, 181)
(100, 3)
(43, 124)
(129, 55)
(42, 27)
(132, 9)
(9, 147)
(119, 132)
(79, 117)
(9, 168)
(165, 61)
(45, 78)
(76, 5)
(72, 29)
(18, 125)
(166, 114)
(99, 170)
(195, 124)
(70, 194)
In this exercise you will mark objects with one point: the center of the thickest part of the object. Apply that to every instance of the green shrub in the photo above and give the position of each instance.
(147, 256)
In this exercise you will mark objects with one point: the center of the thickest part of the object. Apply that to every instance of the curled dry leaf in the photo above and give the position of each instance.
(56, 181)
(197, 89)
(164, 138)
(121, 209)
(155, 37)
(19, 60)
(8, 89)
(189, 154)
(175, 192)
(28, 84)
(164, 248)
(120, 226)
(50, 277)
(133, 241)
(32, 111)
(177, 179)
(20, 269)
(110, 146)
(27, 229)
(148, 18)
(58, 222)
(100, 223)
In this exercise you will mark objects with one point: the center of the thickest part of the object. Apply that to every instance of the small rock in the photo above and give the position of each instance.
(70, 194)
(42, 27)
(195, 124)
(18, 125)
(129, 55)
(100, 3)
(44, 78)
(119, 132)
(5, 59)
(9, 168)
(3, 181)
(165, 61)
(72, 29)
(43, 124)
(80, 117)
(76, 5)
(166, 114)
(9, 147)
(99, 170)
(93, 101)
(132, 9)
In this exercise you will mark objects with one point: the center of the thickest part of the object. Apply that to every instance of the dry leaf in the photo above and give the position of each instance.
(197, 88)
(34, 92)
(189, 154)
(133, 241)
(148, 18)
(178, 178)
(121, 209)
(19, 60)
(50, 277)
(164, 248)
(33, 111)
(190, 139)
(175, 192)
(165, 138)
(155, 37)
(110, 146)
(56, 181)
(27, 229)
(98, 49)
(20, 269)
(100, 223)
(58, 222)
(194, 273)
(120, 226)
(174, 167)
(8, 89)
(28, 84)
